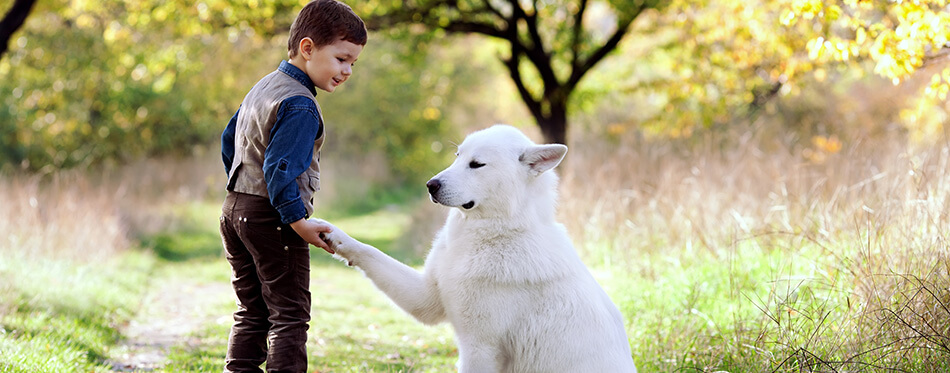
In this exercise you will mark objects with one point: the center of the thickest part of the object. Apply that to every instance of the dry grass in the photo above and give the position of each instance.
(737, 251)
(59, 216)
(839, 254)
(92, 215)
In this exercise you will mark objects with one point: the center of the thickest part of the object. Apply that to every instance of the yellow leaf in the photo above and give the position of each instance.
(833, 12)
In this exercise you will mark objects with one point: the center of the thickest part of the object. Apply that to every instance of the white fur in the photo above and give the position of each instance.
(502, 271)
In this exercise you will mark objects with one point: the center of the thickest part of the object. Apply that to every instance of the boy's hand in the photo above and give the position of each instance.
(310, 231)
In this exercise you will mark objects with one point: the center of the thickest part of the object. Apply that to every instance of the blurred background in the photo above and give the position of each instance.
(760, 185)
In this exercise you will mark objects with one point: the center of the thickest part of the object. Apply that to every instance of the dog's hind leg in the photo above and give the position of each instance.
(476, 358)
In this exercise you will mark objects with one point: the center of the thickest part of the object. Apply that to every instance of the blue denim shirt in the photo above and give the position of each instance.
(291, 140)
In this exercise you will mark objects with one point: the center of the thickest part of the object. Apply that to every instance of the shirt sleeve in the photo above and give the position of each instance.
(289, 153)
(227, 143)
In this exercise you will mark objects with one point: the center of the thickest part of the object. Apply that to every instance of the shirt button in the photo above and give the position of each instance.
(278, 228)
(286, 248)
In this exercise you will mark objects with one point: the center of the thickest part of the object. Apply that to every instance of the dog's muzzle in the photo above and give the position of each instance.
(434, 186)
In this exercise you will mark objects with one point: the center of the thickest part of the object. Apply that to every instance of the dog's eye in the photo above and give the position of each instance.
(475, 164)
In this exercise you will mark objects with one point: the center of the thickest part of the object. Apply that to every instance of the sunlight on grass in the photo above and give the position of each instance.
(65, 314)
(381, 225)
(720, 260)
(354, 327)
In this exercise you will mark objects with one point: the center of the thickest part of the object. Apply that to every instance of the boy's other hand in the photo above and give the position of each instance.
(310, 231)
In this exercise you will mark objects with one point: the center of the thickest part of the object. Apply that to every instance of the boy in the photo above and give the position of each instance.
(271, 153)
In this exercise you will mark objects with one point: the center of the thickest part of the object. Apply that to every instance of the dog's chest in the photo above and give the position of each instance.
(477, 279)
(470, 298)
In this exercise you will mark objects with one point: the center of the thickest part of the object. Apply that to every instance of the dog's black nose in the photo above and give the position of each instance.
(433, 186)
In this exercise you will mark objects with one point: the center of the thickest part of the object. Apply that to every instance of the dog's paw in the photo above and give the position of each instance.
(342, 244)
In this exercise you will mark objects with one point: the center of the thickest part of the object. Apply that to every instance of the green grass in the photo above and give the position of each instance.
(354, 327)
(764, 303)
(59, 316)
(193, 235)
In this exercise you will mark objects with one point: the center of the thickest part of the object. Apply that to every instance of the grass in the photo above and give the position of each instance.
(749, 256)
(62, 316)
(723, 255)
(354, 328)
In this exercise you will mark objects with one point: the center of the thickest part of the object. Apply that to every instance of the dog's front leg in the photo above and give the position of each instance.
(410, 289)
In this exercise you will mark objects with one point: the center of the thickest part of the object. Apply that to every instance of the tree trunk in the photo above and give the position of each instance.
(12, 21)
(553, 124)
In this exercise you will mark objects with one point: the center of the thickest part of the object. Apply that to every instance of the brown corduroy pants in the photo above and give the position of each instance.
(270, 272)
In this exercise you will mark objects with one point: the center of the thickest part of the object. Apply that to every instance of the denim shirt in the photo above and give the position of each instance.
(290, 150)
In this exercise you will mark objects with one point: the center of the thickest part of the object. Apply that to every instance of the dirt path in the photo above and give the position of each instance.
(169, 316)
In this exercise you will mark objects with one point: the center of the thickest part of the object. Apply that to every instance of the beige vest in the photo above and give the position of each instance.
(256, 118)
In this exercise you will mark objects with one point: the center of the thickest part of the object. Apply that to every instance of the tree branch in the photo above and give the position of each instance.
(475, 27)
(492, 9)
(583, 66)
(12, 21)
(576, 37)
(403, 15)
(535, 53)
(512, 63)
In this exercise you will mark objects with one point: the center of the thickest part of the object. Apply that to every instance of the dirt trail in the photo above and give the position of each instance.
(169, 316)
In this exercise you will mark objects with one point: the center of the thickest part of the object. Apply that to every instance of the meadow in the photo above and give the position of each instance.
(739, 253)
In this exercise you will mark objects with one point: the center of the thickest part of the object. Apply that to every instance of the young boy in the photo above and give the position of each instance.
(271, 153)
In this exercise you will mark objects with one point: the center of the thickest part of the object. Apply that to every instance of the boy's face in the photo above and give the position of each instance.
(330, 65)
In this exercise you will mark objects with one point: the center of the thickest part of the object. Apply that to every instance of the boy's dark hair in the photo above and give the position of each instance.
(324, 22)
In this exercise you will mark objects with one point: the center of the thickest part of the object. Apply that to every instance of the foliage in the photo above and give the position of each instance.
(898, 36)
(90, 82)
(398, 104)
(710, 64)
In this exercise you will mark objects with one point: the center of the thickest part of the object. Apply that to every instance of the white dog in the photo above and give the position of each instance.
(502, 271)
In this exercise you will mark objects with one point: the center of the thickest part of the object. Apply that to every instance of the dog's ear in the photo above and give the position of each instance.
(540, 158)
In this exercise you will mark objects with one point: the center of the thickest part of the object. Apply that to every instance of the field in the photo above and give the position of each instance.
(736, 252)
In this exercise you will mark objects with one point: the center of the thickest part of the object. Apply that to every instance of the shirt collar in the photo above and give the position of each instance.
(297, 74)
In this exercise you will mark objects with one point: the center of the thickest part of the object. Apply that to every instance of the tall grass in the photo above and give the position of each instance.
(750, 252)
(741, 251)
(63, 290)
(68, 280)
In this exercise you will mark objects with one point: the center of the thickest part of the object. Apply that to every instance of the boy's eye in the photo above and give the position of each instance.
(475, 164)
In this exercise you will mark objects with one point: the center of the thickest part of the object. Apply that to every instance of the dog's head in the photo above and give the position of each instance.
(497, 170)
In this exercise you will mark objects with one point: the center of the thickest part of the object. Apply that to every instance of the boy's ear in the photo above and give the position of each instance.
(306, 47)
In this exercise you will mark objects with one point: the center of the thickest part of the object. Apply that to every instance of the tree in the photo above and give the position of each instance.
(560, 41)
(88, 79)
(710, 64)
(113, 80)
(12, 21)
